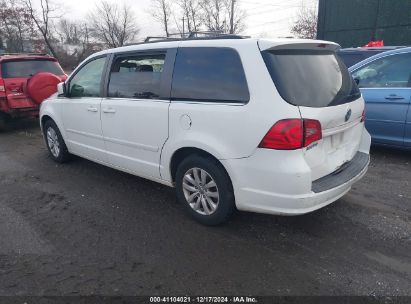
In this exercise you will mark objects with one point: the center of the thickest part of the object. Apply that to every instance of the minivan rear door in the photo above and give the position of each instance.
(312, 77)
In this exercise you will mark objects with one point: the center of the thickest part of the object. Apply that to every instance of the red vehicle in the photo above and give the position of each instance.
(25, 81)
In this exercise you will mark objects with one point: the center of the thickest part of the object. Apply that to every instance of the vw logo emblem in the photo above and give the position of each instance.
(348, 115)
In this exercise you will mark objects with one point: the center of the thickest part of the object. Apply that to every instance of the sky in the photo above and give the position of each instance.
(265, 18)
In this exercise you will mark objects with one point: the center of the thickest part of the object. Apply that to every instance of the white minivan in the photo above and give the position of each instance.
(270, 126)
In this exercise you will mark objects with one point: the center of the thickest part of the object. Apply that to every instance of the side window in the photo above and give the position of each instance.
(137, 76)
(389, 72)
(350, 59)
(210, 75)
(87, 81)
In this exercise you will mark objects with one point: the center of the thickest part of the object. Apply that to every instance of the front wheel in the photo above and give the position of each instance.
(205, 189)
(55, 143)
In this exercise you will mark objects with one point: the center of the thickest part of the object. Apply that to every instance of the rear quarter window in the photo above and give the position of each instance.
(27, 68)
(210, 75)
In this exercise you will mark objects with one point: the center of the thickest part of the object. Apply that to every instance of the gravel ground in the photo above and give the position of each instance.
(84, 229)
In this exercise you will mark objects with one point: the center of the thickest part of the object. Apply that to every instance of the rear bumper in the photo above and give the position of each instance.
(24, 112)
(343, 175)
(278, 182)
(254, 200)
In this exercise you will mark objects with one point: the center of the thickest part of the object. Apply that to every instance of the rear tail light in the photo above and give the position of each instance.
(363, 116)
(286, 134)
(312, 131)
(2, 86)
(292, 134)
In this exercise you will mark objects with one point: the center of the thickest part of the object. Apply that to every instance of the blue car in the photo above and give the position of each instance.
(385, 82)
(352, 56)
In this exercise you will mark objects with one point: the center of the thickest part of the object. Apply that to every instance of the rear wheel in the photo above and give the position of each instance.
(204, 188)
(55, 143)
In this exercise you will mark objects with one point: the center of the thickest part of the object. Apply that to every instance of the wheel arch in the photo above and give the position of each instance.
(180, 154)
(45, 118)
(48, 113)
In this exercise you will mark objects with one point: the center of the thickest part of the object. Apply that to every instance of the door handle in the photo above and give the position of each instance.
(109, 110)
(394, 97)
(92, 109)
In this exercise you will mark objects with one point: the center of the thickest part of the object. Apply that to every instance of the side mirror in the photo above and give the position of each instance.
(61, 89)
(357, 81)
(76, 91)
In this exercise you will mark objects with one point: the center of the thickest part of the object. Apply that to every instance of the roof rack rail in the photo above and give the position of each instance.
(158, 38)
(197, 35)
(214, 35)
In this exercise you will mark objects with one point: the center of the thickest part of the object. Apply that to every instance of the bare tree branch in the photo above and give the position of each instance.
(161, 11)
(306, 24)
(113, 25)
(16, 26)
(223, 15)
(236, 16)
(43, 21)
(191, 12)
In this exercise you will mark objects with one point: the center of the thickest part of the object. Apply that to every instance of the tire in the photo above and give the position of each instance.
(4, 122)
(55, 143)
(199, 191)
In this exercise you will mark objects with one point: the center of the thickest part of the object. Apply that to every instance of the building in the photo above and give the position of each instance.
(353, 23)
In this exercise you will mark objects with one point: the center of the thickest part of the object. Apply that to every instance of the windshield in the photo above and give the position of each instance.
(27, 68)
(311, 78)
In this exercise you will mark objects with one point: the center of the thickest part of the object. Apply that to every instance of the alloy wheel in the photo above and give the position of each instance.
(53, 142)
(201, 191)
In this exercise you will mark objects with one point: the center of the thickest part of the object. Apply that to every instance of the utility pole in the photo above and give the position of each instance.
(232, 17)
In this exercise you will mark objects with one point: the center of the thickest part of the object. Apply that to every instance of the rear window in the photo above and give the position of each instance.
(27, 68)
(311, 78)
(209, 75)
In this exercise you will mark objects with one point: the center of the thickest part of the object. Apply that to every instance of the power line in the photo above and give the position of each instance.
(270, 4)
(272, 22)
(266, 11)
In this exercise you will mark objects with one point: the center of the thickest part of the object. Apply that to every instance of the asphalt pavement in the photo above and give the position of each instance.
(84, 229)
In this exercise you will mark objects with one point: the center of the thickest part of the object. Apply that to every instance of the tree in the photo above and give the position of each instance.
(236, 16)
(161, 11)
(223, 15)
(190, 11)
(213, 15)
(43, 20)
(68, 31)
(86, 49)
(306, 24)
(75, 42)
(16, 26)
(112, 24)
